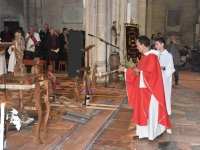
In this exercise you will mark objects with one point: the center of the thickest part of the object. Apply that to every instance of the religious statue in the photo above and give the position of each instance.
(76, 89)
(94, 78)
(19, 69)
(35, 69)
(131, 20)
(52, 81)
(114, 34)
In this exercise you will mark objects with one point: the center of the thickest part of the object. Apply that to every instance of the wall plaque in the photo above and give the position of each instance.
(173, 20)
(72, 14)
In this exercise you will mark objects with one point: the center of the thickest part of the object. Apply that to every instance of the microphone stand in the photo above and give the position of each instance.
(102, 40)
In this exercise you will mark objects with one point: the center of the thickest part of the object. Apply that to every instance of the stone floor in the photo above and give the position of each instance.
(185, 121)
(113, 130)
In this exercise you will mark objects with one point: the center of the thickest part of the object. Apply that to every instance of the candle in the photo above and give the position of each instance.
(2, 126)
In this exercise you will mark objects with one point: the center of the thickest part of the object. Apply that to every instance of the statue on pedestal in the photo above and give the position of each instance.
(19, 69)
(114, 35)
(35, 69)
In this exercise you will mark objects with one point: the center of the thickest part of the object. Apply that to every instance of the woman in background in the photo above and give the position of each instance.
(53, 45)
(152, 41)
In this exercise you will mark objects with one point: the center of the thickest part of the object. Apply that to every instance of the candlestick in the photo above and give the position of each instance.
(2, 126)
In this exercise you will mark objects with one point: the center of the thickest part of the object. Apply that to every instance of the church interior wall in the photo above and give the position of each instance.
(54, 13)
(11, 11)
(158, 14)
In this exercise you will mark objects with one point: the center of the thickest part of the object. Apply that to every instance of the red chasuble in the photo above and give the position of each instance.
(139, 98)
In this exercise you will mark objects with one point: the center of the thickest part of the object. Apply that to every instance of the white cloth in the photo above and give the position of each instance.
(12, 59)
(30, 41)
(153, 128)
(3, 69)
(166, 61)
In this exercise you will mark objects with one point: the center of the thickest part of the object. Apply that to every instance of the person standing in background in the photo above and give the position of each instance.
(32, 48)
(6, 36)
(63, 41)
(44, 34)
(152, 41)
(53, 46)
(173, 48)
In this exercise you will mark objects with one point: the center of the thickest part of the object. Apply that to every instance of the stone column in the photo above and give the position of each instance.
(118, 20)
(31, 13)
(86, 26)
(87, 21)
(135, 10)
(142, 17)
(38, 15)
(123, 4)
(101, 32)
(93, 31)
(149, 18)
(25, 7)
(109, 25)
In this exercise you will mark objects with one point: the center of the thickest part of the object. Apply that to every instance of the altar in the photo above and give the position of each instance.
(5, 45)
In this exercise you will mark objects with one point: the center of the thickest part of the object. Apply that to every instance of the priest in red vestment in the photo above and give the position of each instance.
(145, 92)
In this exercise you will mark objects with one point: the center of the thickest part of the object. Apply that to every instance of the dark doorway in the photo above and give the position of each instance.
(13, 25)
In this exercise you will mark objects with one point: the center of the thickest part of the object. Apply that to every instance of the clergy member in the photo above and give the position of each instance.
(146, 93)
(167, 68)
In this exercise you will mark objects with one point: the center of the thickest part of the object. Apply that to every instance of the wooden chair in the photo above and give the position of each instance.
(86, 68)
(61, 64)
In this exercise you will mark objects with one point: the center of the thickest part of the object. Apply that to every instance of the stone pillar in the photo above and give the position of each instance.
(101, 32)
(38, 15)
(86, 26)
(149, 18)
(93, 31)
(25, 7)
(123, 4)
(142, 17)
(31, 13)
(118, 20)
(109, 25)
(135, 10)
(87, 21)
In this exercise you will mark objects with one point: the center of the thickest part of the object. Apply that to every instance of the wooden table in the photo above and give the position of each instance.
(29, 81)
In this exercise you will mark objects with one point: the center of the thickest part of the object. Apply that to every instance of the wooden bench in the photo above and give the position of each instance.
(28, 62)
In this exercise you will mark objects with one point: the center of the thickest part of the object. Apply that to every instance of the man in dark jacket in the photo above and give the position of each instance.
(7, 36)
(174, 49)
(63, 41)
(44, 34)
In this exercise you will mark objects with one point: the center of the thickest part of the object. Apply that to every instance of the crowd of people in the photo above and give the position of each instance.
(49, 44)
(181, 55)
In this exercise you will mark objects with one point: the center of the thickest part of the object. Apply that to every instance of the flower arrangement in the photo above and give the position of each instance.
(128, 64)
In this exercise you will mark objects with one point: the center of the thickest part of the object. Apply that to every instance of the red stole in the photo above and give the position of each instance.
(54, 80)
(139, 98)
(34, 41)
(7, 37)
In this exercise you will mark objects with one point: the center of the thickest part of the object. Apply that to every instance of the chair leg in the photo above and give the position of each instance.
(66, 67)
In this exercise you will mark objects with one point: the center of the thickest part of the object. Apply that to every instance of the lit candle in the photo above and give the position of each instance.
(2, 126)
